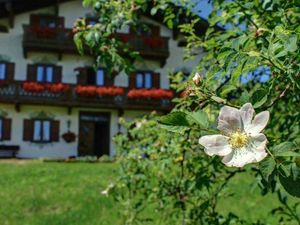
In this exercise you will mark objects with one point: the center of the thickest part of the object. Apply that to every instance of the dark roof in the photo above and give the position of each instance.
(20, 6)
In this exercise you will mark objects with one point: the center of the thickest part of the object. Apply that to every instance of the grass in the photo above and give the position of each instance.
(36, 193)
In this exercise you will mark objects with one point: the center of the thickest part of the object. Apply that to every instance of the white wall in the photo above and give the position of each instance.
(54, 149)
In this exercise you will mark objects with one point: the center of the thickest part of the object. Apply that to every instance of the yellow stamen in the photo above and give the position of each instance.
(238, 139)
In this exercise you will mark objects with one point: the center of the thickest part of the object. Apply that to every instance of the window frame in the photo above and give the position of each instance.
(144, 73)
(45, 75)
(41, 131)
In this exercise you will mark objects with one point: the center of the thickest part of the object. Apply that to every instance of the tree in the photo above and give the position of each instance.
(259, 38)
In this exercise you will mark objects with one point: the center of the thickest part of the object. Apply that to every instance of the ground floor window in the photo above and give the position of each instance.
(41, 130)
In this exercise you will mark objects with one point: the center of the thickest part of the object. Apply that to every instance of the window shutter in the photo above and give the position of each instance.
(57, 74)
(6, 129)
(31, 72)
(109, 78)
(28, 130)
(156, 80)
(60, 21)
(10, 71)
(34, 20)
(54, 130)
(155, 30)
(82, 76)
(132, 82)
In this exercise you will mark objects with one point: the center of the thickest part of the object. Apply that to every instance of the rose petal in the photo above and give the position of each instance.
(258, 145)
(229, 120)
(259, 123)
(239, 158)
(215, 145)
(247, 113)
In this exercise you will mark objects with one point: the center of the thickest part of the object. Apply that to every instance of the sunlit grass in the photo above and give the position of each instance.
(34, 193)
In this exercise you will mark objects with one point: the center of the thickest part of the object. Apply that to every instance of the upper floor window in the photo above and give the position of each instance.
(90, 76)
(46, 20)
(5, 129)
(45, 74)
(2, 71)
(144, 80)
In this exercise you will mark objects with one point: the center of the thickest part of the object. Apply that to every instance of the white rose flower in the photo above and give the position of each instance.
(241, 141)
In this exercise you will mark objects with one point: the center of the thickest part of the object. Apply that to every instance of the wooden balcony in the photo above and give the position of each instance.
(60, 40)
(14, 93)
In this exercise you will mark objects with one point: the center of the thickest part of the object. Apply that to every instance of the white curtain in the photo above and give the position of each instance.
(148, 80)
(139, 80)
(100, 77)
(46, 131)
(37, 130)
(49, 74)
(40, 74)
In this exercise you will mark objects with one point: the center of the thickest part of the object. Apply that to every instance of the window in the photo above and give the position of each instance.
(144, 80)
(47, 22)
(96, 77)
(2, 71)
(41, 130)
(45, 73)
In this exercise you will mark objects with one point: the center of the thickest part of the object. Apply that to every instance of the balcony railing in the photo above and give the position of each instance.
(60, 40)
(15, 93)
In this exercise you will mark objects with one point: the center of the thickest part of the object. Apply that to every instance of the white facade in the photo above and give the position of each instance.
(11, 50)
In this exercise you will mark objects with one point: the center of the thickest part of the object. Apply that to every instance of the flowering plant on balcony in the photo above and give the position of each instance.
(150, 94)
(110, 91)
(40, 87)
(44, 32)
(57, 88)
(92, 91)
(33, 87)
(69, 137)
(154, 42)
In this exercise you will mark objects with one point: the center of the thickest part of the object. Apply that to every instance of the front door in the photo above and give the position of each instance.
(93, 134)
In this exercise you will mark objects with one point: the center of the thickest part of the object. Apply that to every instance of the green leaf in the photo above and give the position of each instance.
(78, 42)
(291, 183)
(287, 154)
(259, 97)
(267, 167)
(175, 129)
(176, 118)
(291, 43)
(284, 149)
(218, 99)
(200, 117)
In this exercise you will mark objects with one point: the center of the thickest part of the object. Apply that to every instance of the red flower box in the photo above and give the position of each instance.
(33, 87)
(92, 91)
(154, 42)
(44, 32)
(150, 94)
(57, 88)
(40, 87)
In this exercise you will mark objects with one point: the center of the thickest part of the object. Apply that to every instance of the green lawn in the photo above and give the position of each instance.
(37, 193)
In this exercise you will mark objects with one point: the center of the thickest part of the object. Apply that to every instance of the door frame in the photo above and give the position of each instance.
(95, 113)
